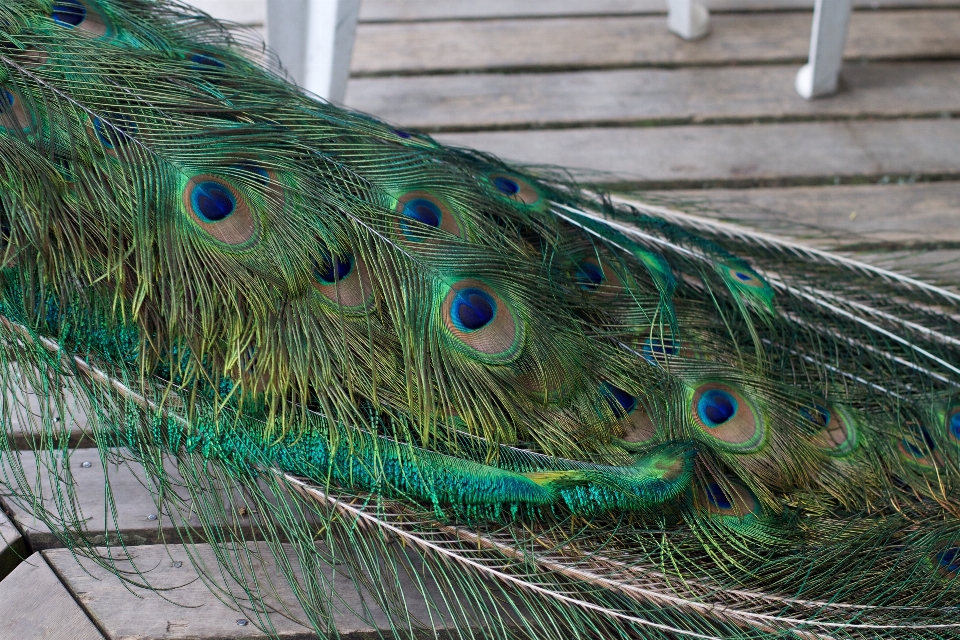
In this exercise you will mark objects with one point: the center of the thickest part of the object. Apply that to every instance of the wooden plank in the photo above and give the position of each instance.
(843, 217)
(34, 605)
(939, 266)
(189, 610)
(253, 12)
(186, 610)
(12, 548)
(910, 228)
(415, 10)
(25, 429)
(608, 42)
(136, 512)
(136, 515)
(731, 155)
(651, 96)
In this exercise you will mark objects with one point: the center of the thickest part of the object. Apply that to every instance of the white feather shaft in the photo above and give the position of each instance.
(764, 238)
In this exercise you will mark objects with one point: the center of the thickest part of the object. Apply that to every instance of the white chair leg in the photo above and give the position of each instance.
(688, 19)
(829, 36)
(287, 34)
(314, 40)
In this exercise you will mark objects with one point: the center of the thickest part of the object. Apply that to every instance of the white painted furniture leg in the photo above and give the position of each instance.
(287, 34)
(314, 40)
(820, 75)
(688, 19)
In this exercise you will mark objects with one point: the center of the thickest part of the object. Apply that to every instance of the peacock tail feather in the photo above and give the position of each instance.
(583, 415)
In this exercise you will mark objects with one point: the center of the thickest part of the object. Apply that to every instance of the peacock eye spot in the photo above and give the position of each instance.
(7, 100)
(922, 435)
(954, 423)
(949, 559)
(744, 276)
(506, 186)
(656, 350)
(817, 414)
(424, 211)
(101, 132)
(718, 497)
(332, 269)
(913, 449)
(472, 309)
(589, 276)
(621, 403)
(403, 134)
(69, 13)
(716, 407)
(207, 62)
(262, 176)
(117, 132)
(212, 201)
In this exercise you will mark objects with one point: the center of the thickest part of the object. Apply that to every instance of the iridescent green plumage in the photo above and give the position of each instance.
(610, 422)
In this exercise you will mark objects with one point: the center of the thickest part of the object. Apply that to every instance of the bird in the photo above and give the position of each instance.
(567, 414)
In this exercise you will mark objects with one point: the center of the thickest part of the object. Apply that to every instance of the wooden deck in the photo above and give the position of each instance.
(601, 87)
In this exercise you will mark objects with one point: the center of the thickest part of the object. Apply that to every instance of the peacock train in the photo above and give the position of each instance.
(585, 416)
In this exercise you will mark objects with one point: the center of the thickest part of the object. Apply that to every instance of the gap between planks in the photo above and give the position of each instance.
(187, 609)
(35, 605)
(13, 547)
(134, 511)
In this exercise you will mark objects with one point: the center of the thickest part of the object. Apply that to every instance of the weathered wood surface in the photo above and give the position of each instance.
(394, 10)
(845, 217)
(25, 429)
(186, 610)
(189, 610)
(939, 266)
(910, 228)
(12, 548)
(133, 510)
(136, 512)
(253, 12)
(735, 155)
(652, 96)
(627, 41)
(34, 605)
